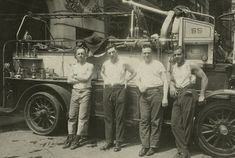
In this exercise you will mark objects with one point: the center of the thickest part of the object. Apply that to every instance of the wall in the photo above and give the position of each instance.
(66, 28)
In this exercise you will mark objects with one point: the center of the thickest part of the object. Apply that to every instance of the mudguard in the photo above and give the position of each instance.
(61, 92)
(220, 92)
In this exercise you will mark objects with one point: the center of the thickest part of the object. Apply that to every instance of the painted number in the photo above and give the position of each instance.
(196, 30)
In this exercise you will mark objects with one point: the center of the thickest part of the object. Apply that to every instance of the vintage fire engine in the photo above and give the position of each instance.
(37, 81)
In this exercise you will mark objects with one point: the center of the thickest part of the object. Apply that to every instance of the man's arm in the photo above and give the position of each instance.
(204, 80)
(102, 72)
(131, 70)
(170, 79)
(165, 89)
(71, 78)
(86, 76)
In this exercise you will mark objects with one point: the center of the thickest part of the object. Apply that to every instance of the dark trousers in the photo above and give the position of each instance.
(151, 114)
(182, 118)
(114, 106)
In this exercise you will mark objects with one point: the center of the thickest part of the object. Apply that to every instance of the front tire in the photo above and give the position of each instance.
(42, 113)
(215, 129)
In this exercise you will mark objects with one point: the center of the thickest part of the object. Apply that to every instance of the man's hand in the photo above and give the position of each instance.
(201, 100)
(74, 76)
(173, 91)
(164, 102)
(126, 82)
(142, 89)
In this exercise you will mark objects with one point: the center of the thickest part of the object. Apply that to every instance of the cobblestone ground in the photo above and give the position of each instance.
(17, 141)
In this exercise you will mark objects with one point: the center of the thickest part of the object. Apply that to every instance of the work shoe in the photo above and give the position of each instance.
(177, 155)
(151, 151)
(83, 140)
(106, 146)
(143, 151)
(75, 144)
(117, 147)
(185, 154)
(68, 141)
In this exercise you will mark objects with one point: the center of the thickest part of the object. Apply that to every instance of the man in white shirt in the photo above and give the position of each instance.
(153, 85)
(79, 112)
(114, 73)
(182, 76)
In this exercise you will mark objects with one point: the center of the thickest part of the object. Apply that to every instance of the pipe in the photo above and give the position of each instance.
(21, 24)
(132, 23)
(202, 14)
(155, 10)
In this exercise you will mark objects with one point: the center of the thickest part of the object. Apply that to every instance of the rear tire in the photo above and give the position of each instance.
(43, 113)
(215, 129)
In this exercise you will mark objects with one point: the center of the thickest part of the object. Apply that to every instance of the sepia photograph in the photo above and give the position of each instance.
(117, 78)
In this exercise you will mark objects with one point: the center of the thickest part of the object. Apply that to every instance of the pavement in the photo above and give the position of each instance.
(17, 141)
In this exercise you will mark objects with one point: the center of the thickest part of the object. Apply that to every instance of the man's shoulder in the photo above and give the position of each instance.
(157, 62)
(90, 64)
(74, 65)
(192, 64)
(106, 62)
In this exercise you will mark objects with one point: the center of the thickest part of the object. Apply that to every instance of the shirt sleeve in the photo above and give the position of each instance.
(161, 67)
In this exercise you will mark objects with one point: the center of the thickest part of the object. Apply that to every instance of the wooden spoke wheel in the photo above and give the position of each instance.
(215, 129)
(42, 113)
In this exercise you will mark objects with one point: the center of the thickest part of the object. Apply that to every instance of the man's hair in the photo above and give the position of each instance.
(146, 48)
(179, 47)
(81, 47)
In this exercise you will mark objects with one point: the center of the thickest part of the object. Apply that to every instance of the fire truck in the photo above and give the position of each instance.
(35, 80)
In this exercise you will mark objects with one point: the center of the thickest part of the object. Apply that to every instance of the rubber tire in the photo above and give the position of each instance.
(210, 107)
(58, 114)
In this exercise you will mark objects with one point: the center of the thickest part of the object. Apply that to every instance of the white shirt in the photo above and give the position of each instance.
(84, 71)
(115, 72)
(182, 75)
(149, 75)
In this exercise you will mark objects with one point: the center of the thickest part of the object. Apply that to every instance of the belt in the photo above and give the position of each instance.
(181, 90)
(151, 88)
(114, 86)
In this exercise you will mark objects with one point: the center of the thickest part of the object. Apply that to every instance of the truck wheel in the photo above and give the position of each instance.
(215, 129)
(42, 113)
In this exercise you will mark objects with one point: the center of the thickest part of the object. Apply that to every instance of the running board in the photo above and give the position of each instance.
(7, 110)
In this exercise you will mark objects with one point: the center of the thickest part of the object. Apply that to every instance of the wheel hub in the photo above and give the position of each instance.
(223, 130)
(42, 112)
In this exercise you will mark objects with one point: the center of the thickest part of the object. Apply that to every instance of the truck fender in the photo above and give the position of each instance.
(220, 93)
(63, 94)
(166, 26)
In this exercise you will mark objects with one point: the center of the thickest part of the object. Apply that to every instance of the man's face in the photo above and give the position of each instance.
(178, 55)
(80, 55)
(147, 54)
(112, 53)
